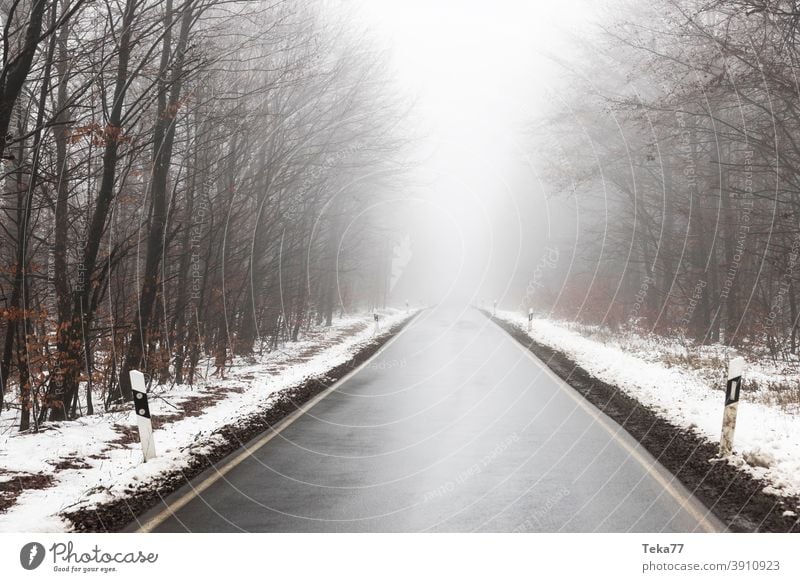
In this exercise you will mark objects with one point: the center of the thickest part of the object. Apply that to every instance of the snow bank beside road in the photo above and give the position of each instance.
(98, 458)
(767, 441)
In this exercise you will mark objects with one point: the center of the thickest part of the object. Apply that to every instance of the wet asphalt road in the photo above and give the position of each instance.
(452, 427)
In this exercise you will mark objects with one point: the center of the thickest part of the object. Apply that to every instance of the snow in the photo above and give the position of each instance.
(113, 468)
(685, 385)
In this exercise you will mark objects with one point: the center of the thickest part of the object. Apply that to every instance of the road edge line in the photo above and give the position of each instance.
(687, 503)
(149, 525)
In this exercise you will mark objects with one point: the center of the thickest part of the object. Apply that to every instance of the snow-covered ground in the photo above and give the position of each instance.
(96, 458)
(685, 385)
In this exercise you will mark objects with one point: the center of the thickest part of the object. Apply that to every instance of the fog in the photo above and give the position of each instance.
(236, 207)
(478, 73)
(595, 161)
(236, 173)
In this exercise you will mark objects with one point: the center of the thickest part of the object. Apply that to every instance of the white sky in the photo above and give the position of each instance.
(462, 57)
(477, 71)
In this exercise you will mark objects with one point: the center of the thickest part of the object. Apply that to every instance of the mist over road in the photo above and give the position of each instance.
(452, 427)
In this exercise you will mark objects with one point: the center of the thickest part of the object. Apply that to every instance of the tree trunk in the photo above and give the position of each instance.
(162, 155)
(16, 71)
(80, 316)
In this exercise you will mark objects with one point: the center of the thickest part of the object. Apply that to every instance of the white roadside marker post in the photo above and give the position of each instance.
(732, 389)
(143, 415)
(530, 318)
(494, 308)
(377, 324)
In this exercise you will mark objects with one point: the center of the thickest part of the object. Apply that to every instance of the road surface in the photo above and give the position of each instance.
(452, 427)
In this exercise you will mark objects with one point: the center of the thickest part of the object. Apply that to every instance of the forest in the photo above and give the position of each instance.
(677, 136)
(399, 266)
(177, 180)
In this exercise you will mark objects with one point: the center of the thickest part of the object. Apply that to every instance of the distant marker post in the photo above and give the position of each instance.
(143, 421)
(530, 318)
(732, 389)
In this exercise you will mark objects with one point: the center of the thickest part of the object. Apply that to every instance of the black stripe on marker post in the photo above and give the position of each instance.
(732, 389)
(141, 404)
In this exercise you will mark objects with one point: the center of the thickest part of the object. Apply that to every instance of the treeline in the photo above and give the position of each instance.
(677, 137)
(182, 179)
